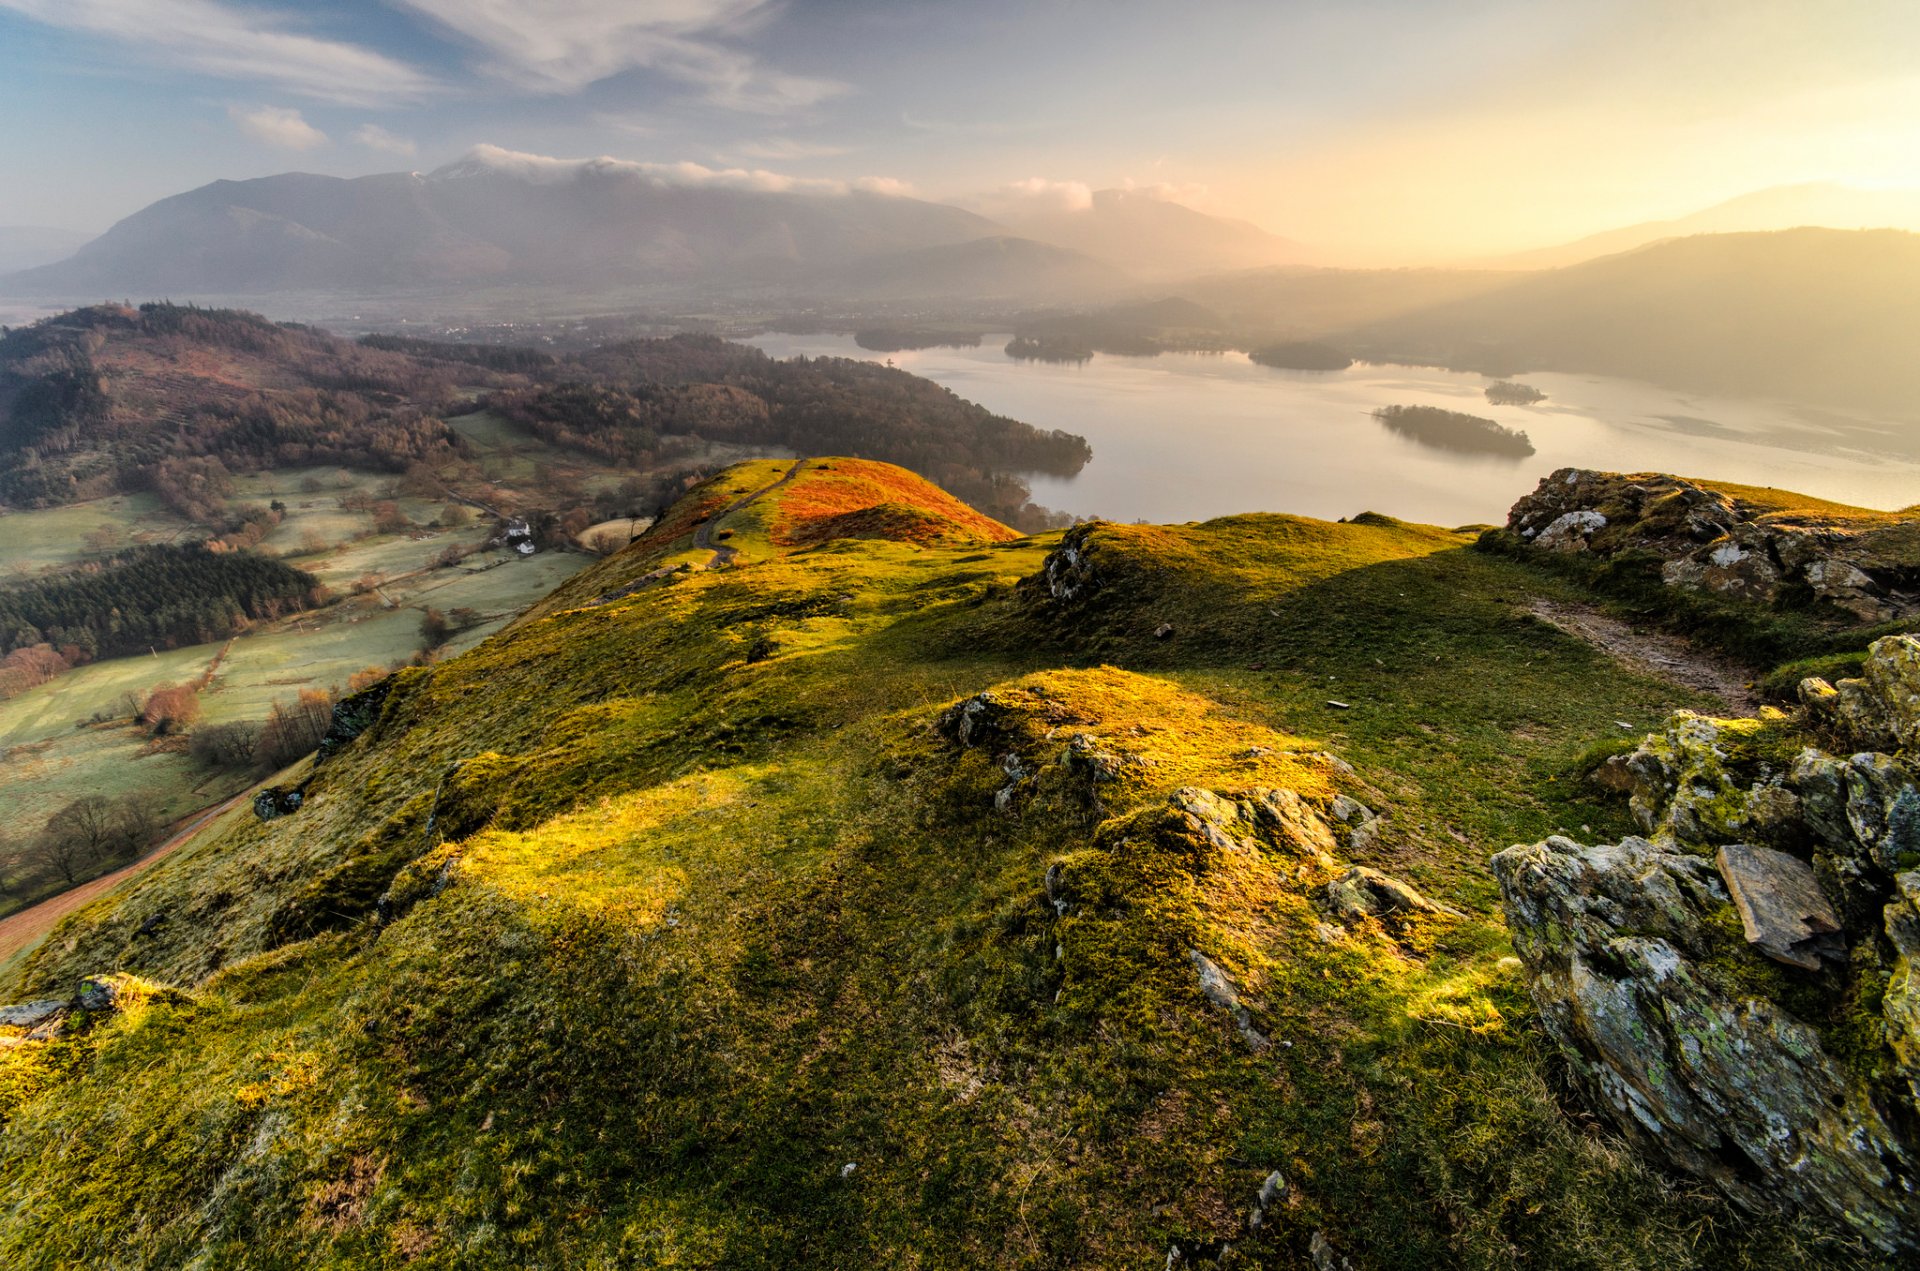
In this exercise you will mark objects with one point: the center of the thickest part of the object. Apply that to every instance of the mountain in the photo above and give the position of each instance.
(1153, 237)
(25, 246)
(832, 878)
(1819, 204)
(1817, 315)
(1297, 302)
(493, 218)
(999, 268)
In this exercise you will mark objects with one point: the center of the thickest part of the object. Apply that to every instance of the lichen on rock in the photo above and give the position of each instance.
(1737, 990)
(1729, 541)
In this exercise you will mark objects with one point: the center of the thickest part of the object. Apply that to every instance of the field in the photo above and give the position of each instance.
(56, 537)
(50, 753)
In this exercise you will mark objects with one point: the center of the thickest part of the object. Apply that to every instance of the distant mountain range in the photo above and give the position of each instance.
(1151, 237)
(1817, 315)
(1818, 203)
(497, 218)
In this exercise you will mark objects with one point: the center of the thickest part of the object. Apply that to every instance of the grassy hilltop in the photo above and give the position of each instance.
(700, 918)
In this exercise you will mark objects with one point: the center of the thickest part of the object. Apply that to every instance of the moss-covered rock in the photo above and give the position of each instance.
(1624, 951)
(1764, 547)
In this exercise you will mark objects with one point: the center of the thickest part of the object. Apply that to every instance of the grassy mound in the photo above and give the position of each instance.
(691, 928)
(857, 498)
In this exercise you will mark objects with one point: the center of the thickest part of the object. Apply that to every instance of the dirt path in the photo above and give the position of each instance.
(1654, 653)
(703, 536)
(17, 931)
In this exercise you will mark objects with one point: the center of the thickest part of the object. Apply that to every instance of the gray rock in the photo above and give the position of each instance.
(1784, 912)
(1218, 989)
(31, 1014)
(1881, 709)
(1068, 570)
(97, 994)
(1622, 957)
(1368, 893)
(1320, 1251)
(1570, 531)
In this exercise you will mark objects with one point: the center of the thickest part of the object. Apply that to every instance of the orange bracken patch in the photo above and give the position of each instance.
(859, 498)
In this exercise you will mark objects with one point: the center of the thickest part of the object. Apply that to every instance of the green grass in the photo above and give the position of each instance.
(55, 708)
(54, 538)
(692, 930)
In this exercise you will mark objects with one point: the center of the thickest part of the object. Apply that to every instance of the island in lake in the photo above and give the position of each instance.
(1508, 393)
(1454, 430)
(905, 339)
(1049, 348)
(1301, 355)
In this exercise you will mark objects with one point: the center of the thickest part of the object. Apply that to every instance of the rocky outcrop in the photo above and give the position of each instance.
(1707, 539)
(1623, 952)
(1737, 989)
(1068, 570)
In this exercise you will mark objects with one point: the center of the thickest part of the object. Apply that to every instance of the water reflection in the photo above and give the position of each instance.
(1195, 435)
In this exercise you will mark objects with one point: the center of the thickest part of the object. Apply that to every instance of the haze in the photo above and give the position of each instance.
(1375, 132)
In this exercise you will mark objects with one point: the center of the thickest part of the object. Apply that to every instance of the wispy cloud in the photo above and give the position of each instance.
(277, 126)
(1037, 195)
(549, 47)
(374, 137)
(212, 39)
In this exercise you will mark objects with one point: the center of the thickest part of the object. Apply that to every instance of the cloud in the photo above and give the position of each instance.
(1187, 193)
(1037, 196)
(374, 137)
(547, 47)
(277, 126)
(209, 38)
(539, 169)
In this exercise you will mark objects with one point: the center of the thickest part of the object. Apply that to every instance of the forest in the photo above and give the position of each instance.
(157, 596)
(92, 400)
(177, 399)
(620, 401)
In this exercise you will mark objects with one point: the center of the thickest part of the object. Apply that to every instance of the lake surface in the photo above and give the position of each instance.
(1188, 436)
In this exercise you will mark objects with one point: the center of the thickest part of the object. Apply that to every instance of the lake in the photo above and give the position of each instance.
(1188, 436)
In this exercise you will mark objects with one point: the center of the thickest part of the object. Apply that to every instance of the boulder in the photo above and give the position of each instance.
(1620, 946)
(1068, 569)
(1861, 563)
(1368, 893)
(1881, 709)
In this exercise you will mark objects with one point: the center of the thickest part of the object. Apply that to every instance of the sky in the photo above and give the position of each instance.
(1387, 131)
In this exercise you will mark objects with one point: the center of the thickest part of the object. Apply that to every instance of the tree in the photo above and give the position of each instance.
(434, 629)
(294, 728)
(389, 519)
(225, 745)
(94, 830)
(171, 708)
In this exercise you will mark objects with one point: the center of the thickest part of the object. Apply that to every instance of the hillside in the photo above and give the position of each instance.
(1819, 203)
(1155, 237)
(494, 217)
(769, 897)
(1821, 316)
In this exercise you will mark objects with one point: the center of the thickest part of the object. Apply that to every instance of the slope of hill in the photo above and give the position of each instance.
(494, 217)
(998, 268)
(1295, 303)
(1818, 203)
(1154, 237)
(1821, 316)
(874, 902)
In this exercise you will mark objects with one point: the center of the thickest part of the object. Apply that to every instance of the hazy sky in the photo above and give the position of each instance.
(1402, 129)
